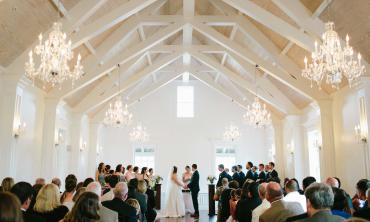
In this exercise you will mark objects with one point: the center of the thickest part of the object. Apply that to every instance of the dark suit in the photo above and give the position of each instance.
(245, 207)
(194, 188)
(249, 175)
(274, 174)
(363, 213)
(297, 217)
(236, 176)
(126, 213)
(30, 217)
(225, 204)
(151, 213)
(323, 215)
(222, 175)
(262, 176)
(241, 178)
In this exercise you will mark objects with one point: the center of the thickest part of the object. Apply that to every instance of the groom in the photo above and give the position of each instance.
(194, 188)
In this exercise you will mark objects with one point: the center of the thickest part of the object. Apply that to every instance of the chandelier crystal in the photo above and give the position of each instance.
(231, 133)
(332, 61)
(117, 115)
(257, 115)
(54, 55)
(139, 134)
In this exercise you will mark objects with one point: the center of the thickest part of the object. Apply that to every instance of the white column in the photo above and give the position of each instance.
(48, 159)
(76, 119)
(279, 147)
(295, 145)
(327, 154)
(7, 108)
(93, 144)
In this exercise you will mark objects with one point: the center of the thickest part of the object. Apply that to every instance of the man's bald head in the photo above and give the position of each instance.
(262, 190)
(120, 190)
(331, 181)
(273, 192)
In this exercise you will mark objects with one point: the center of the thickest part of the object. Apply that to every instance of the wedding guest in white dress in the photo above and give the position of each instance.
(174, 206)
(186, 177)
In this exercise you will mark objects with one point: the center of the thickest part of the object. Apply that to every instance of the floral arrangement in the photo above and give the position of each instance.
(158, 179)
(211, 179)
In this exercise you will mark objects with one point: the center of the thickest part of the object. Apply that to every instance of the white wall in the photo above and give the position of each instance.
(185, 141)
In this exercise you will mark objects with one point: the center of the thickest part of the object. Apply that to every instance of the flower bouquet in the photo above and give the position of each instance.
(211, 179)
(158, 179)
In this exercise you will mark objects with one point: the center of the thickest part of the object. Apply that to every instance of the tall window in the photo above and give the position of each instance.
(185, 102)
(225, 156)
(144, 157)
(314, 153)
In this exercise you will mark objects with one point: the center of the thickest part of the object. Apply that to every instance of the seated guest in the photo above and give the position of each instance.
(7, 184)
(223, 174)
(264, 204)
(10, 208)
(300, 191)
(48, 205)
(126, 213)
(248, 202)
(307, 181)
(225, 200)
(291, 188)
(151, 214)
(249, 174)
(57, 182)
(108, 192)
(359, 199)
(70, 187)
(241, 175)
(235, 197)
(340, 206)
(24, 192)
(142, 198)
(40, 181)
(217, 196)
(320, 198)
(365, 211)
(273, 172)
(135, 204)
(235, 176)
(262, 174)
(106, 215)
(100, 174)
(332, 182)
(87, 181)
(85, 209)
(280, 210)
(78, 193)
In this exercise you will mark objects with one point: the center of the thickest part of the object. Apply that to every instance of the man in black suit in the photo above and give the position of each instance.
(262, 174)
(126, 213)
(234, 170)
(222, 175)
(241, 175)
(273, 172)
(24, 192)
(194, 189)
(250, 174)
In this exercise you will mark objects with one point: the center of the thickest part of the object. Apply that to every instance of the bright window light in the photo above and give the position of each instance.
(185, 102)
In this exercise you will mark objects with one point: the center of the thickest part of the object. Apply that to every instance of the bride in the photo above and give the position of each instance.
(174, 206)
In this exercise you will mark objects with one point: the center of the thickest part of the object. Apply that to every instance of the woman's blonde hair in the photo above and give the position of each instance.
(7, 184)
(47, 199)
(134, 203)
(141, 186)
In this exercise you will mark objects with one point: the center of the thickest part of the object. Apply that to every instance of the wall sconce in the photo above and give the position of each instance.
(18, 128)
(360, 134)
(59, 138)
(83, 146)
(317, 144)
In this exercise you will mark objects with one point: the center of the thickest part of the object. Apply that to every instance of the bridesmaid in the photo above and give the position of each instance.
(99, 175)
(186, 177)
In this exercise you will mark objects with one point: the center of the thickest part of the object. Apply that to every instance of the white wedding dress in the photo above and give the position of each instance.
(174, 205)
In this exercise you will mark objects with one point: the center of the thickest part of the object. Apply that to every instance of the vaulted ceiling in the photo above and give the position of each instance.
(218, 42)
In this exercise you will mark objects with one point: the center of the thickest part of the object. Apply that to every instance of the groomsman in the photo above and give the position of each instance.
(222, 175)
(254, 172)
(249, 171)
(273, 172)
(235, 175)
(261, 169)
(241, 175)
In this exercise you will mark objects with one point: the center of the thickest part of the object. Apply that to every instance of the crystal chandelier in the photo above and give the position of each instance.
(139, 134)
(333, 61)
(116, 115)
(257, 115)
(54, 57)
(231, 133)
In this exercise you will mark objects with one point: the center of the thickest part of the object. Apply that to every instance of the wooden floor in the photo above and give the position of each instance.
(203, 218)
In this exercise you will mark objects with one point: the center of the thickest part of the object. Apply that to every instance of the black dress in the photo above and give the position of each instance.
(55, 215)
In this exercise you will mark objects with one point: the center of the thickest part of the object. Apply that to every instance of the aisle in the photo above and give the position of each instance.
(203, 218)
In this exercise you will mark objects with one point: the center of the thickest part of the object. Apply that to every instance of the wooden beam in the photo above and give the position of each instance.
(254, 58)
(273, 22)
(108, 21)
(94, 70)
(94, 99)
(61, 8)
